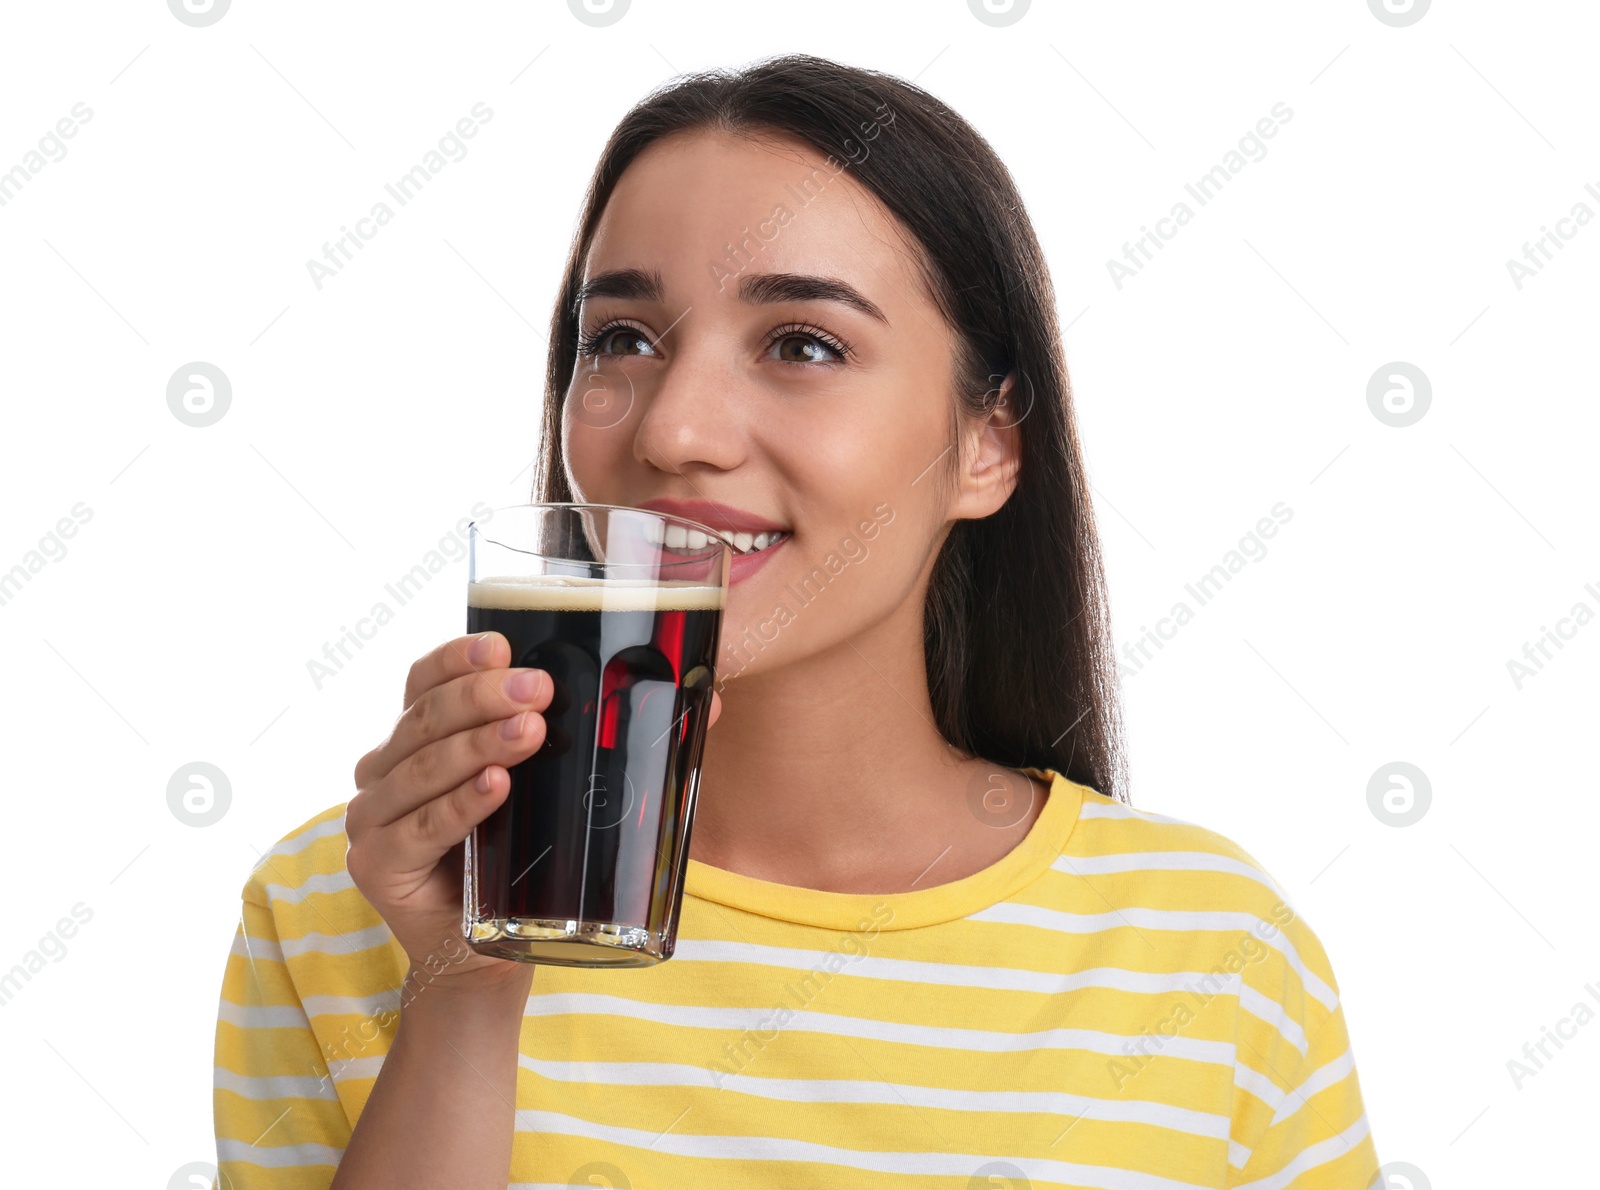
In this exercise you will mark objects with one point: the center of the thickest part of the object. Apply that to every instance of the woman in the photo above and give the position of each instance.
(924, 941)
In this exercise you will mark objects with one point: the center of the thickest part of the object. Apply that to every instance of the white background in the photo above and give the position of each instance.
(1231, 373)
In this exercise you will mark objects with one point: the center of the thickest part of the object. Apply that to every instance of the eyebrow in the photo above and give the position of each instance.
(757, 289)
(627, 284)
(764, 288)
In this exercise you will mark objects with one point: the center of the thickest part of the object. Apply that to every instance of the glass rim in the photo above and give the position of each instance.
(718, 534)
(476, 532)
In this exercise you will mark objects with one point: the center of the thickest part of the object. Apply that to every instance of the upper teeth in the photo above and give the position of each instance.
(682, 537)
(745, 543)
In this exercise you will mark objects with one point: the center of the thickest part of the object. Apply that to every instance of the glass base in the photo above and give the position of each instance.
(565, 943)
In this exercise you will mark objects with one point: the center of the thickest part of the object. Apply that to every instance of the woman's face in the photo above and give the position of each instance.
(761, 339)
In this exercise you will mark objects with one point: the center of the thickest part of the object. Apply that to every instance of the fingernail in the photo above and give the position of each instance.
(512, 728)
(523, 686)
(478, 651)
(482, 783)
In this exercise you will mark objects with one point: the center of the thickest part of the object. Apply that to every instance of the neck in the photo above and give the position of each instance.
(830, 772)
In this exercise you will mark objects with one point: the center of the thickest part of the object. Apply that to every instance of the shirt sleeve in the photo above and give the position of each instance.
(280, 1124)
(1317, 1136)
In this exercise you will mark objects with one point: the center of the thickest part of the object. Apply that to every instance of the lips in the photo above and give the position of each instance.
(742, 566)
(742, 528)
(724, 518)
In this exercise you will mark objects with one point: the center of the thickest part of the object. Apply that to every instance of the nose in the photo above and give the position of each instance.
(692, 414)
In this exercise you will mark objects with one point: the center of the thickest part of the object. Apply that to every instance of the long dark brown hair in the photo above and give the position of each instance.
(1017, 632)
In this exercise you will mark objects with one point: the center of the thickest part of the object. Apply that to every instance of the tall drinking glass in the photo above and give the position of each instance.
(582, 866)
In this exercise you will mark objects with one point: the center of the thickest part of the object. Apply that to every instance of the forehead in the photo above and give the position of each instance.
(708, 207)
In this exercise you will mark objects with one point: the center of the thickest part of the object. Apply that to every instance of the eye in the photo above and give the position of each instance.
(807, 339)
(596, 342)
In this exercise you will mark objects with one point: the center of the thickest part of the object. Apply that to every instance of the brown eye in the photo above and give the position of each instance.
(624, 336)
(802, 343)
(802, 349)
(605, 340)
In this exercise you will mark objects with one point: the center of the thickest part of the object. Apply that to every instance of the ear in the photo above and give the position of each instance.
(992, 456)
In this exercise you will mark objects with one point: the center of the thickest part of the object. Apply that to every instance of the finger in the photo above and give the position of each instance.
(419, 840)
(463, 655)
(458, 704)
(435, 768)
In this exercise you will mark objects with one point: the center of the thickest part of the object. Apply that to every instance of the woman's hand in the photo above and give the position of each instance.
(441, 772)
(443, 1097)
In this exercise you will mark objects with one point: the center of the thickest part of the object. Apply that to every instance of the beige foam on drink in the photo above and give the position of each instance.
(576, 593)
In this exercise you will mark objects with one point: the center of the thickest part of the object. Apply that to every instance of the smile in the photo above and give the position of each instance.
(682, 538)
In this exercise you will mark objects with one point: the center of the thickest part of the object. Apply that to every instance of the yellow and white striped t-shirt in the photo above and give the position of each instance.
(1123, 1000)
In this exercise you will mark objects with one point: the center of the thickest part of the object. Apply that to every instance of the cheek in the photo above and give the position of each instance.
(834, 470)
(863, 470)
(864, 517)
(596, 440)
(841, 460)
(600, 398)
(865, 531)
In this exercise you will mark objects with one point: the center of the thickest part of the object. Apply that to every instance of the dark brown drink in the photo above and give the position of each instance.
(577, 867)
